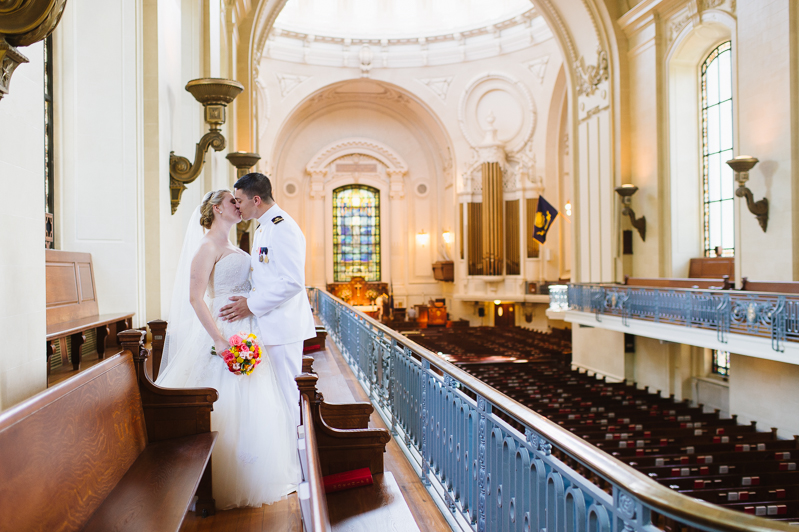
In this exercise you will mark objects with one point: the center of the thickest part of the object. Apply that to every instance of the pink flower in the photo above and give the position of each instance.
(235, 340)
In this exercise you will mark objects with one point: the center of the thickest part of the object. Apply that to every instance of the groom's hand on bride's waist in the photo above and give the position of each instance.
(238, 310)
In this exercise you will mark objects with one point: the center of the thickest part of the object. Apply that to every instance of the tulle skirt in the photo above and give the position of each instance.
(255, 459)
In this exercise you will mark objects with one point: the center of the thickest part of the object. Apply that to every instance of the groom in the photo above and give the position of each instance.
(278, 299)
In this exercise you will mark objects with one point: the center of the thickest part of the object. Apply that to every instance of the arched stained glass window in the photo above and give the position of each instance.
(356, 233)
(717, 139)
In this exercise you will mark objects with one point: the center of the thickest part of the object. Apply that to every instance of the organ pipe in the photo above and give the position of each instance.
(475, 216)
(493, 226)
(512, 237)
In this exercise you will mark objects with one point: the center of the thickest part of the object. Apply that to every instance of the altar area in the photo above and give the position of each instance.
(369, 297)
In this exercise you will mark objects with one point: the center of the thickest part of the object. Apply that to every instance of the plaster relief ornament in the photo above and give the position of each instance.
(439, 86)
(589, 77)
(365, 57)
(539, 68)
(289, 82)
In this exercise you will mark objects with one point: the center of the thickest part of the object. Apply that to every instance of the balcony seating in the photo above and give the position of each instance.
(679, 445)
(722, 283)
(780, 287)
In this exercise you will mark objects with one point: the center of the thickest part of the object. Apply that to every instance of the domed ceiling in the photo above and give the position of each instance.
(394, 18)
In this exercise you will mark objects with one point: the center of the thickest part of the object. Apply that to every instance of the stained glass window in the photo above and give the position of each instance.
(49, 202)
(356, 233)
(717, 139)
(721, 363)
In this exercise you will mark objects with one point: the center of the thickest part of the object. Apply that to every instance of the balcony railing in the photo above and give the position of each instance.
(496, 464)
(761, 314)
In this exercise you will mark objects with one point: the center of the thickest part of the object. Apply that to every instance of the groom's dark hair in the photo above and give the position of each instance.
(255, 184)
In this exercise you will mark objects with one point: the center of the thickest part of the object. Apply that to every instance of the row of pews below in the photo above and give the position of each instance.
(685, 448)
(492, 344)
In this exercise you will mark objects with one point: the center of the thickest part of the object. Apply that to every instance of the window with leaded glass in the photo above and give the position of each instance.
(717, 147)
(721, 363)
(356, 233)
(49, 229)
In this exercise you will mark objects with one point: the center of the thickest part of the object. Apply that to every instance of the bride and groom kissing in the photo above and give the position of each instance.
(221, 291)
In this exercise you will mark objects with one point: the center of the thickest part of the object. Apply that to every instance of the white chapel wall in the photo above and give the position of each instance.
(22, 289)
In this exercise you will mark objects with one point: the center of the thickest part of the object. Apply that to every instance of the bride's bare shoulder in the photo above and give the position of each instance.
(208, 249)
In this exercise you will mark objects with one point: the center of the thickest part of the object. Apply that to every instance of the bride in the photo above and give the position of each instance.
(255, 459)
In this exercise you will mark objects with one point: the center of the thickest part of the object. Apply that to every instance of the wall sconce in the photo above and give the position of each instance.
(626, 192)
(422, 238)
(447, 237)
(567, 209)
(741, 166)
(497, 302)
(243, 161)
(214, 94)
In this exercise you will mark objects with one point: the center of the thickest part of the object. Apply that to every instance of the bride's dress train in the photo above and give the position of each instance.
(255, 458)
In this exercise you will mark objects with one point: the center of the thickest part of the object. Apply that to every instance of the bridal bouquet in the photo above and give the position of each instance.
(243, 354)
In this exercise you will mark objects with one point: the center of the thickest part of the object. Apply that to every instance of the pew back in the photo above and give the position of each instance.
(712, 267)
(70, 286)
(70, 446)
(662, 282)
(780, 287)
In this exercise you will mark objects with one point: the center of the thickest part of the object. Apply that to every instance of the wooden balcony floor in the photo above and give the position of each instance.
(339, 385)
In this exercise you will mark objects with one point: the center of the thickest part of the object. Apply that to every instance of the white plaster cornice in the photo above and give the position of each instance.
(395, 164)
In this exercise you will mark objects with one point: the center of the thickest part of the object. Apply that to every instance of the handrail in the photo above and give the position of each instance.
(319, 515)
(659, 498)
(762, 314)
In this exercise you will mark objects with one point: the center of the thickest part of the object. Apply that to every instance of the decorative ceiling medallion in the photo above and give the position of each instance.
(504, 98)
(440, 86)
(539, 68)
(289, 82)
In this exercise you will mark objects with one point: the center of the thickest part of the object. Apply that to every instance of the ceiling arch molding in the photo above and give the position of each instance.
(582, 28)
(357, 145)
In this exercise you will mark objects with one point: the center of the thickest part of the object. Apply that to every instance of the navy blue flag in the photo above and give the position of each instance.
(545, 214)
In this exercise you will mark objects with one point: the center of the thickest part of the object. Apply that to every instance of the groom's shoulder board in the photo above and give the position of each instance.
(277, 219)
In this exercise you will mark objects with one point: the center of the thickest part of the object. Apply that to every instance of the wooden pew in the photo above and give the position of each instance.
(780, 287)
(334, 438)
(722, 283)
(107, 450)
(711, 268)
(72, 309)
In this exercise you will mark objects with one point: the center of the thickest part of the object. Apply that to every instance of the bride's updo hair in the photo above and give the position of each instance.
(214, 197)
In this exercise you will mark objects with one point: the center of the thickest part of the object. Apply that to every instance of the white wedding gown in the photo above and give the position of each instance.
(255, 459)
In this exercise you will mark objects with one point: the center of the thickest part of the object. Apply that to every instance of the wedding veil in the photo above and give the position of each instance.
(183, 324)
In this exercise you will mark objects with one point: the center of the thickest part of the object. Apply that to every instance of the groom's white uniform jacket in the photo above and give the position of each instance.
(278, 298)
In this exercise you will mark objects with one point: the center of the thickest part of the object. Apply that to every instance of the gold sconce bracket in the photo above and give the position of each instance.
(626, 192)
(23, 23)
(214, 94)
(243, 161)
(741, 166)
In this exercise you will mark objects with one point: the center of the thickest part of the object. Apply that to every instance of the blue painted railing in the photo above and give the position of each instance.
(766, 315)
(489, 475)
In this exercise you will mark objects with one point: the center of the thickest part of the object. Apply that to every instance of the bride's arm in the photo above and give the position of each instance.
(201, 267)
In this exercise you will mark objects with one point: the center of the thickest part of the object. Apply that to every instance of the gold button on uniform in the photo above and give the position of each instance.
(251, 268)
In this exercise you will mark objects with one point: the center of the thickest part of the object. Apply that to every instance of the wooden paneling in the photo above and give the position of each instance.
(86, 280)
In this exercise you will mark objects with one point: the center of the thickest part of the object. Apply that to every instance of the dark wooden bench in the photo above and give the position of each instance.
(107, 450)
(711, 268)
(334, 438)
(722, 283)
(779, 287)
(317, 343)
(72, 310)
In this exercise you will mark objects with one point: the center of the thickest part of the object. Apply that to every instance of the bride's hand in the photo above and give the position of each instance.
(221, 345)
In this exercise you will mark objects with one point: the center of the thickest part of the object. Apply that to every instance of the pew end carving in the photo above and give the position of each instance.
(344, 441)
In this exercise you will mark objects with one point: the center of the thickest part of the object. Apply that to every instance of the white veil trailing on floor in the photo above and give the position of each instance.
(182, 322)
